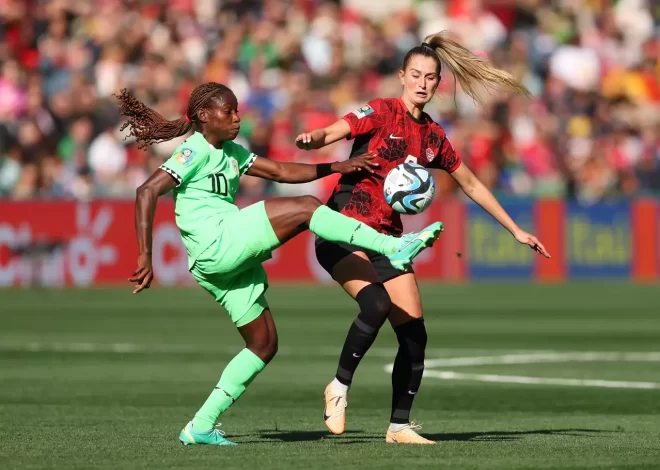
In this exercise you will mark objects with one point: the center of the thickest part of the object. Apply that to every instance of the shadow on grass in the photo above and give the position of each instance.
(351, 437)
(306, 436)
(513, 435)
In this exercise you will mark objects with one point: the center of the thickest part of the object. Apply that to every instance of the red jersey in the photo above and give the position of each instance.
(389, 130)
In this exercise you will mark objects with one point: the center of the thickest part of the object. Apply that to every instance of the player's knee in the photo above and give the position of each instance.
(265, 348)
(269, 352)
(375, 304)
(412, 338)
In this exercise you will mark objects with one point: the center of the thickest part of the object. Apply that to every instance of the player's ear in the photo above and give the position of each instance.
(401, 79)
(203, 115)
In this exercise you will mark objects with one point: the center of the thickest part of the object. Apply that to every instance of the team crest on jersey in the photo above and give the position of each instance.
(234, 165)
(430, 155)
(185, 156)
(365, 110)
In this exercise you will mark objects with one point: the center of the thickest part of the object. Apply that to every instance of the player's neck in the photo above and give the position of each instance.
(211, 139)
(412, 108)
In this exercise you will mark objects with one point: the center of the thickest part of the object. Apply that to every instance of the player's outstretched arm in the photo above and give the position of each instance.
(286, 172)
(321, 137)
(480, 194)
(145, 208)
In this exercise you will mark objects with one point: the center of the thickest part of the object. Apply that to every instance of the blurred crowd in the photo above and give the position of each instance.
(591, 130)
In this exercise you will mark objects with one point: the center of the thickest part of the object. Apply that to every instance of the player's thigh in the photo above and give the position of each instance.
(406, 299)
(290, 216)
(352, 270)
(245, 240)
(242, 295)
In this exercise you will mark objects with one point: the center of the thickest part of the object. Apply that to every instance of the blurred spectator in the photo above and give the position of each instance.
(591, 131)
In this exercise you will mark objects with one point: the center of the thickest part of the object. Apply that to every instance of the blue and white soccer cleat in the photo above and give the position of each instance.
(412, 244)
(213, 436)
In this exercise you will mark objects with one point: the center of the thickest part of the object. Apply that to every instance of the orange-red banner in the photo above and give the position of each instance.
(82, 244)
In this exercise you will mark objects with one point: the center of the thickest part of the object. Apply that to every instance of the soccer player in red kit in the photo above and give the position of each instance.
(397, 130)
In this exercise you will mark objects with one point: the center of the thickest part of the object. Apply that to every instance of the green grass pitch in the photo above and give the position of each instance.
(102, 379)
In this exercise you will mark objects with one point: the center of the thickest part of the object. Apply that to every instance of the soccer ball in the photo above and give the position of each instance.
(409, 188)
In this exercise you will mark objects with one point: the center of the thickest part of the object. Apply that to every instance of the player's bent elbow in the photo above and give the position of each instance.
(141, 190)
(146, 191)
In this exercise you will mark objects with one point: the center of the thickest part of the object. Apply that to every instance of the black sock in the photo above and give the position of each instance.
(375, 306)
(408, 368)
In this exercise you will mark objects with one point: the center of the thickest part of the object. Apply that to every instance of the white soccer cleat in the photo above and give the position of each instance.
(407, 435)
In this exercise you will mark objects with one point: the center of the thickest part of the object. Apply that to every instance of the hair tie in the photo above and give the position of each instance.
(187, 119)
(426, 44)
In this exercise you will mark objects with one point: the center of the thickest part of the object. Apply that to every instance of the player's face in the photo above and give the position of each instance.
(420, 79)
(222, 119)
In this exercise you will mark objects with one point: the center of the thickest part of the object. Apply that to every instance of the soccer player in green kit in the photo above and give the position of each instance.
(227, 246)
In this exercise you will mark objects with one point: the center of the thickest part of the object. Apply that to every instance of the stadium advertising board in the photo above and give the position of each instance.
(83, 244)
(599, 240)
(493, 252)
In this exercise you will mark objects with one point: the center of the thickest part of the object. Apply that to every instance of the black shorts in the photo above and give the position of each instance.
(329, 254)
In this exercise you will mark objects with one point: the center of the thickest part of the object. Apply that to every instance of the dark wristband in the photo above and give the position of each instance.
(323, 170)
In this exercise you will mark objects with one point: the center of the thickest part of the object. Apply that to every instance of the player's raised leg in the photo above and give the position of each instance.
(357, 276)
(408, 323)
(291, 215)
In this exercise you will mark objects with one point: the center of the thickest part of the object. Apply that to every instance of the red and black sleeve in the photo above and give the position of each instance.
(367, 118)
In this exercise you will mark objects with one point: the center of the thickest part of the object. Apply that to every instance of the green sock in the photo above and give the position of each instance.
(336, 227)
(234, 380)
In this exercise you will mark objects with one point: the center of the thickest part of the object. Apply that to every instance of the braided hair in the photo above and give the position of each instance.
(149, 127)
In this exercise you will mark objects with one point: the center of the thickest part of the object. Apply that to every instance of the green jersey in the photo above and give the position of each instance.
(207, 183)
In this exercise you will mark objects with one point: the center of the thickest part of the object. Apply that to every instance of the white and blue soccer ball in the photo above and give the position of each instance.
(409, 188)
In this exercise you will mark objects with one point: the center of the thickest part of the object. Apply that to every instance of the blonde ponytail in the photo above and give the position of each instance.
(471, 70)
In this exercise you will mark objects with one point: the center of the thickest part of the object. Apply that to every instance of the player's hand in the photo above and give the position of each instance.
(304, 141)
(533, 242)
(144, 274)
(362, 162)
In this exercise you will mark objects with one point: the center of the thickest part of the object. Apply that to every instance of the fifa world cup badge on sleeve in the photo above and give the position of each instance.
(234, 166)
(365, 110)
(429, 155)
(185, 156)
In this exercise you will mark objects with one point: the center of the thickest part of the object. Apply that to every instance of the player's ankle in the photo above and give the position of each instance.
(397, 427)
(202, 424)
(339, 388)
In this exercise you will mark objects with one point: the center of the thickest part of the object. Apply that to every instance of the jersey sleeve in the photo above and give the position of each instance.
(186, 160)
(367, 118)
(447, 158)
(243, 156)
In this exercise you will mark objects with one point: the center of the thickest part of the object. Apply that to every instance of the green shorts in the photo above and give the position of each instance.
(231, 270)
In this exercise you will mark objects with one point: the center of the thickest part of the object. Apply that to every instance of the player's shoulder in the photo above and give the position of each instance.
(377, 105)
(388, 105)
(194, 147)
(195, 141)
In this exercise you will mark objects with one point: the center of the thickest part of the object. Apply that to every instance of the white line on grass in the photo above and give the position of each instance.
(519, 357)
(448, 375)
(547, 357)
(538, 358)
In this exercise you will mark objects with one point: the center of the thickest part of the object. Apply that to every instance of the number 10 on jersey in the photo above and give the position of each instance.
(218, 184)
